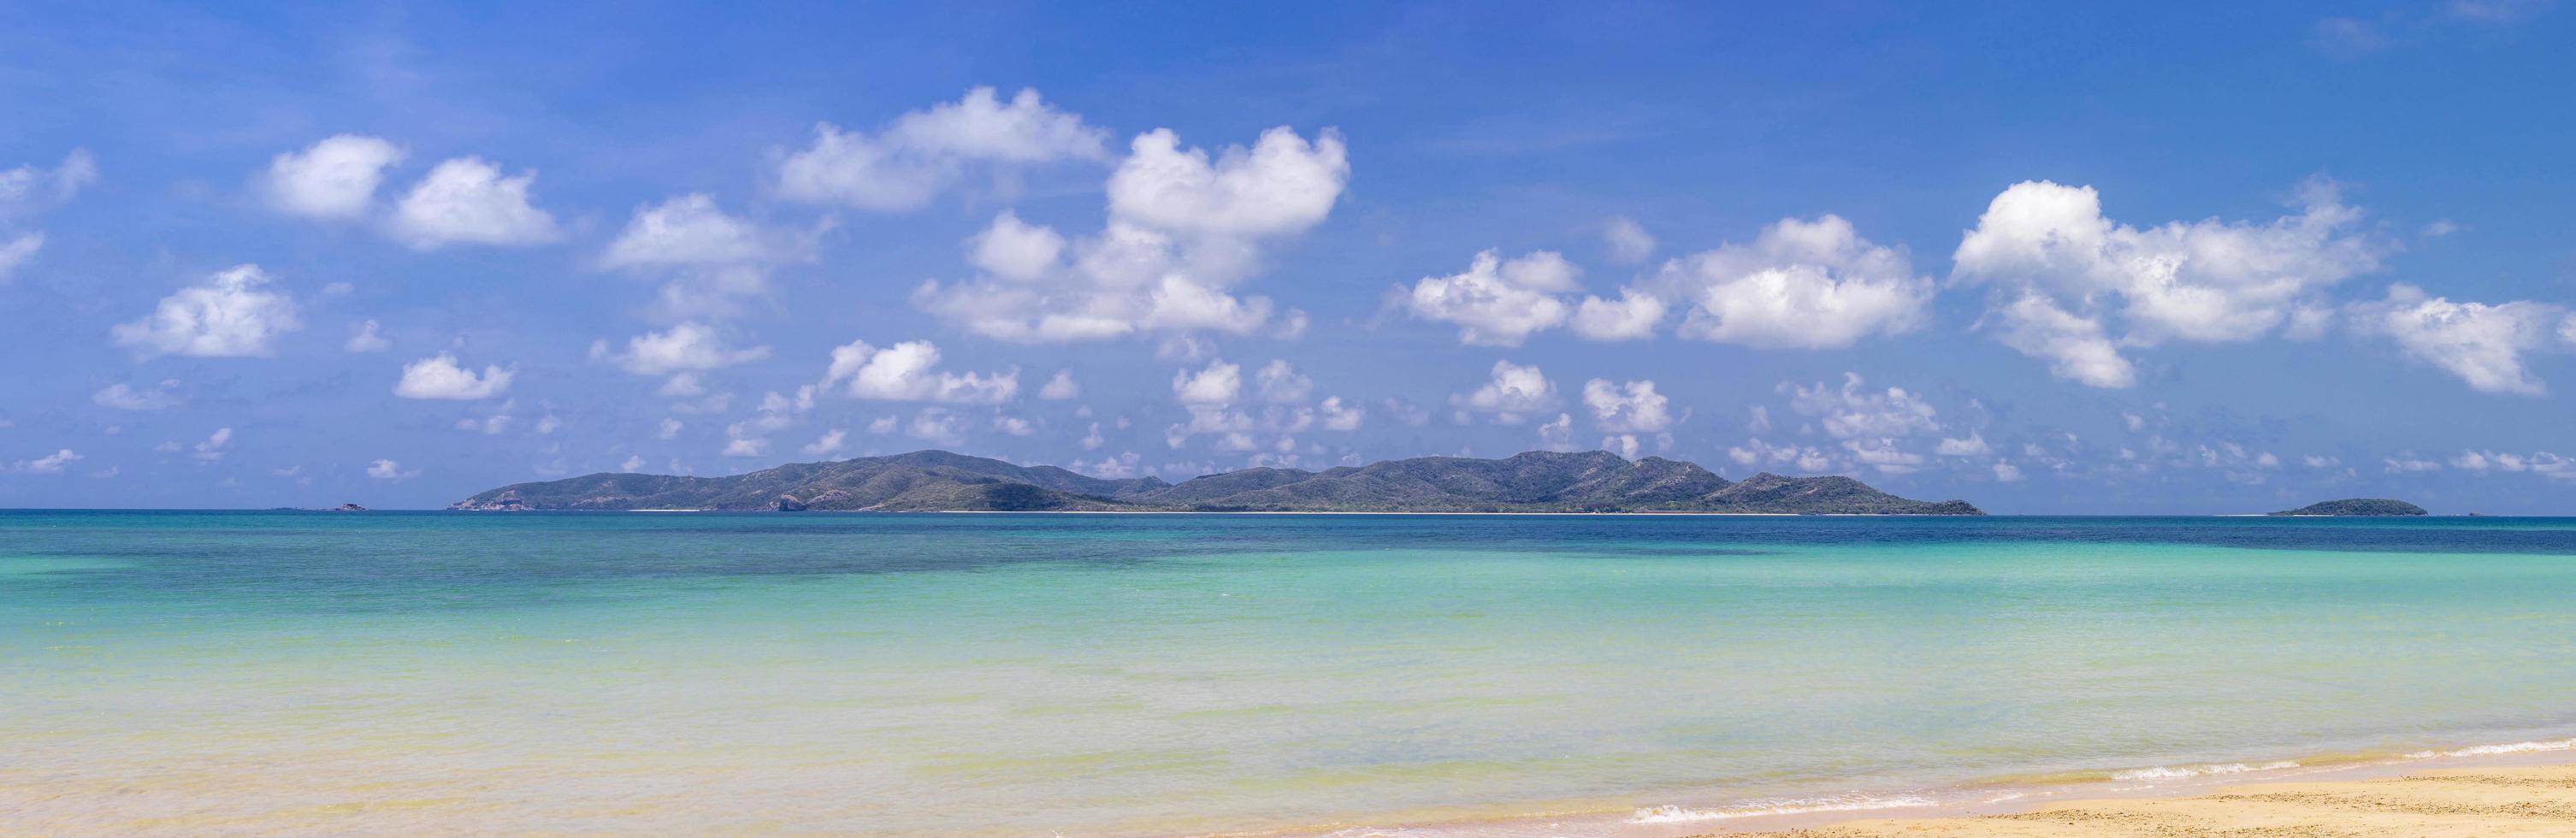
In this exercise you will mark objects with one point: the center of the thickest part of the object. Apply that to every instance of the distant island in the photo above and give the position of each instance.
(2357, 506)
(940, 481)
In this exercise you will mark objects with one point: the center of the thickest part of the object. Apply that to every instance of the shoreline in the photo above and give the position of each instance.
(2052, 805)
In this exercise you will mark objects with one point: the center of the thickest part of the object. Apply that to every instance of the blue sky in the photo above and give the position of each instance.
(2050, 259)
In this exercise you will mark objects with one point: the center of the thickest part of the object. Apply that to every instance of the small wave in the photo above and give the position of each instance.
(2176, 772)
(1798, 806)
(2507, 748)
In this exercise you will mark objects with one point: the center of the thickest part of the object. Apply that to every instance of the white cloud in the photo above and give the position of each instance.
(213, 448)
(1755, 453)
(229, 315)
(1183, 229)
(440, 377)
(715, 259)
(1557, 435)
(1496, 302)
(1513, 393)
(2481, 344)
(745, 447)
(1061, 387)
(1973, 446)
(1629, 244)
(2007, 472)
(904, 373)
(466, 201)
(125, 397)
(1856, 411)
(923, 152)
(1220, 383)
(390, 470)
(2066, 273)
(937, 425)
(1338, 416)
(691, 230)
(1014, 250)
(687, 347)
(366, 336)
(2406, 461)
(334, 178)
(1882, 453)
(1633, 316)
(17, 251)
(1281, 383)
(1624, 445)
(51, 463)
(634, 463)
(2542, 463)
(27, 190)
(1628, 408)
(833, 441)
(1014, 425)
(670, 428)
(1799, 285)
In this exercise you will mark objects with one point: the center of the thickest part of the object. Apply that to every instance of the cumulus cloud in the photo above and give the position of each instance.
(1974, 445)
(1798, 285)
(1629, 244)
(51, 463)
(1220, 383)
(28, 190)
(1061, 387)
(1015, 250)
(1339, 416)
(1281, 383)
(685, 348)
(2481, 344)
(831, 442)
(1497, 302)
(441, 377)
(912, 160)
(1755, 453)
(334, 178)
(714, 259)
(906, 372)
(467, 201)
(1557, 435)
(2067, 277)
(366, 336)
(937, 425)
(1857, 410)
(213, 448)
(230, 315)
(125, 397)
(2542, 463)
(1628, 408)
(1512, 394)
(1184, 228)
(19, 250)
(1633, 316)
(390, 470)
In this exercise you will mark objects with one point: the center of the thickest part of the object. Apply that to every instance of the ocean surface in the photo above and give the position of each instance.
(401, 673)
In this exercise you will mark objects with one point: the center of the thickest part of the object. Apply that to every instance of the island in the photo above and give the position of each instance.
(940, 481)
(2357, 506)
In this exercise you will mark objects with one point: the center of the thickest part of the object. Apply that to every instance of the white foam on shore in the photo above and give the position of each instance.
(2177, 772)
(1797, 806)
(2507, 748)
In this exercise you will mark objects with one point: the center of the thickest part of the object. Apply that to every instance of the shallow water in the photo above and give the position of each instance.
(1022, 674)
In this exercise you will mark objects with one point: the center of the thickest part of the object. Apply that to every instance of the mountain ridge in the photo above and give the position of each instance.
(943, 481)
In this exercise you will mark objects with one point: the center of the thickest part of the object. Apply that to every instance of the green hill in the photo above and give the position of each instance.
(1536, 481)
(2357, 506)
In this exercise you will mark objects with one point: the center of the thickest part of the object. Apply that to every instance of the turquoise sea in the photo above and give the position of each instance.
(401, 673)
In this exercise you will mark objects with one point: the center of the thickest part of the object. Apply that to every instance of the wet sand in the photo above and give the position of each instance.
(2490, 801)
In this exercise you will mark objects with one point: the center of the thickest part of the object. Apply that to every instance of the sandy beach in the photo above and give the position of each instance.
(2487, 801)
